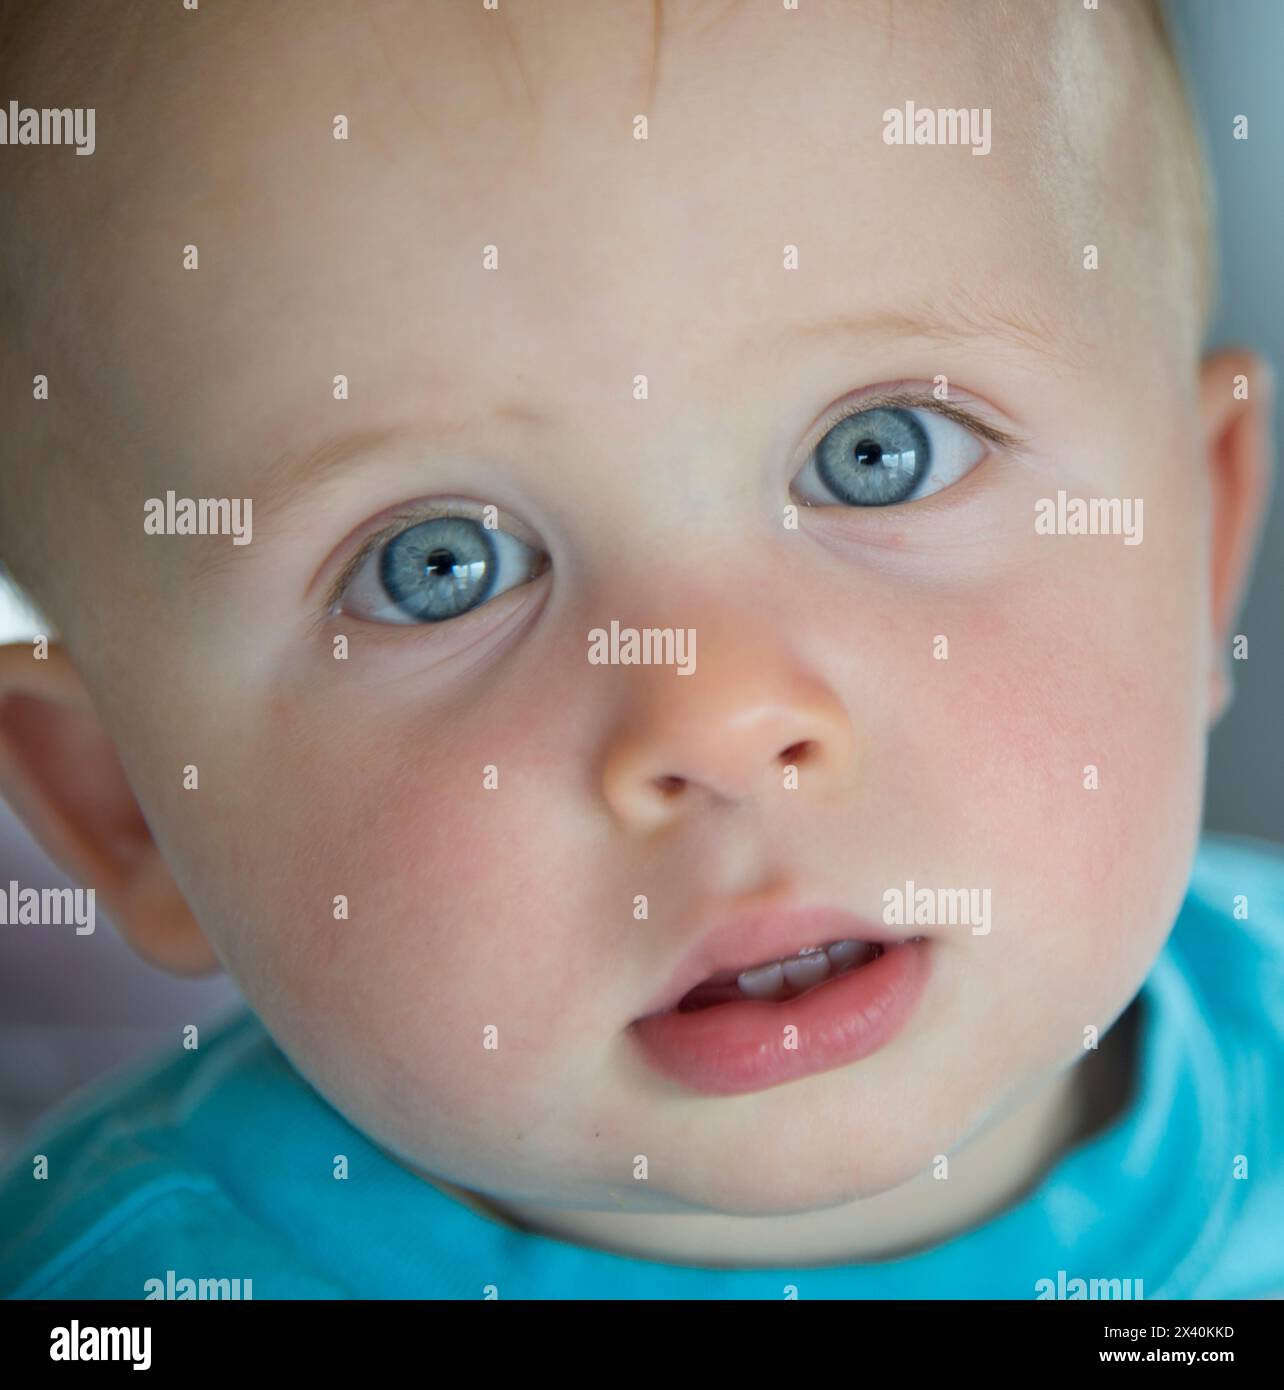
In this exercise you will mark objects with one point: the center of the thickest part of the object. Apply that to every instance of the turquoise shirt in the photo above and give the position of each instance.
(218, 1163)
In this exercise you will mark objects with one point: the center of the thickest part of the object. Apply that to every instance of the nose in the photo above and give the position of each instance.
(724, 735)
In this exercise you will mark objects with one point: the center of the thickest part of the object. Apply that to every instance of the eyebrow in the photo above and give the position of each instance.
(308, 467)
(965, 320)
(297, 470)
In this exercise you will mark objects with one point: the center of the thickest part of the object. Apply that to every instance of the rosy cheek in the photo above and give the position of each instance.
(1066, 682)
(460, 905)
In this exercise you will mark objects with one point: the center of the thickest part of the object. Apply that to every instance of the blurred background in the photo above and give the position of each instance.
(63, 1020)
(1231, 51)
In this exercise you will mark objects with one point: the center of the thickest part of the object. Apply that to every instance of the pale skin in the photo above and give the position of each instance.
(514, 907)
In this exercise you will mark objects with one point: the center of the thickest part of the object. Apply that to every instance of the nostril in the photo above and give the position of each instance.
(798, 752)
(669, 785)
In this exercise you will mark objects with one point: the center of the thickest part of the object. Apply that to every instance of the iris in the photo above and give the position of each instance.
(439, 569)
(875, 457)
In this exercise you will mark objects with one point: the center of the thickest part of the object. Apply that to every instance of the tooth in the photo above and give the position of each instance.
(807, 969)
(842, 953)
(763, 981)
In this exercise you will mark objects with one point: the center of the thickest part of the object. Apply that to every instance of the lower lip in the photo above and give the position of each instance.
(731, 1049)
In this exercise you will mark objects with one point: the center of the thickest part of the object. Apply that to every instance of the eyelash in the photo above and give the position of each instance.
(917, 400)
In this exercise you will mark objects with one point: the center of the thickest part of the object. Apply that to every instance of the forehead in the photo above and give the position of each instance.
(517, 129)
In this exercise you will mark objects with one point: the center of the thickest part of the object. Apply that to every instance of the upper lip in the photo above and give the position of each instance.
(754, 938)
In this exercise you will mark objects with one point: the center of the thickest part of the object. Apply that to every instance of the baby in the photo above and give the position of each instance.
(651, 581)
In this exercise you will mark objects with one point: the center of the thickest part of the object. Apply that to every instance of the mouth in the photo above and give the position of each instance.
(786, 1010)
(773, 956)
(774, 981)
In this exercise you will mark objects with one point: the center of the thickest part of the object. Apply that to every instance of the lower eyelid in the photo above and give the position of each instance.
(896, 526)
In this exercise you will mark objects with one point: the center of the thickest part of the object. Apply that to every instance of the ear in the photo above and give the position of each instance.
(1237, 402)
(60, 773)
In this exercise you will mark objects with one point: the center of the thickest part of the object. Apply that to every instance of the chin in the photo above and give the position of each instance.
(765, 1190)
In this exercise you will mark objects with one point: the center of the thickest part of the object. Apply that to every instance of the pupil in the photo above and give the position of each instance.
(441, 560)
(868, 452)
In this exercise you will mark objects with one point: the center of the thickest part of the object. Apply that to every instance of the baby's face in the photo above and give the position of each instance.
(969, 703)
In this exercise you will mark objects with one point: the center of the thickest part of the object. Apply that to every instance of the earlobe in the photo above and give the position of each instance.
(1237, 401)
(60, 772)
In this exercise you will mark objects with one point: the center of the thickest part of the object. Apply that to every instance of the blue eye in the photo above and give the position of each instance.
(886, 455)
(437, 570)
